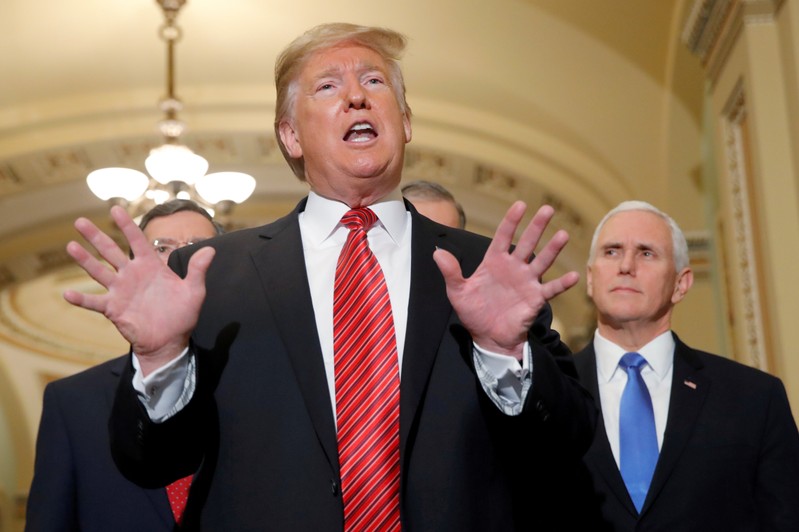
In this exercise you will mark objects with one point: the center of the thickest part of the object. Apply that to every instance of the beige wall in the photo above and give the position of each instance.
(753, 98)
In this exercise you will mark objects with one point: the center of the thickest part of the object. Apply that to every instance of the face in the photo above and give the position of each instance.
(173, 231)
(632, 278)
(347, 125)
(441, 211)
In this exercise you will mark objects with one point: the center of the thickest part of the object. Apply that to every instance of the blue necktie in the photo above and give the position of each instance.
(638, 444)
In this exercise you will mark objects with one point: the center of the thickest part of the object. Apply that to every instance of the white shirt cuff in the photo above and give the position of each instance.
(505, 380)
(165, 391)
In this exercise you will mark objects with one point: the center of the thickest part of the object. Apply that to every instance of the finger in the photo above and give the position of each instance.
(546, 257)
(133, 234)
(198, 266)
(557, 286)
(104, 244)
(449, 266)
(96, 269)
(88, 301)
(503, 236)
(533, 232)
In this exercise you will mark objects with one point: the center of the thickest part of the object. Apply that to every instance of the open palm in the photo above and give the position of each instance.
(151, 306)
(499, 302)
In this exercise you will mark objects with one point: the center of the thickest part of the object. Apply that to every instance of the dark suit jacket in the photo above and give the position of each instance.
(264, 429)
(730, 454)
(76, 485)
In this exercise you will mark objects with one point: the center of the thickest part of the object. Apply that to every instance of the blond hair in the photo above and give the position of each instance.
(387, 43)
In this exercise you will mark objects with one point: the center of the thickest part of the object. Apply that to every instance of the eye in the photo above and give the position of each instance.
(374, 81)
(647, 253)
(324, 87)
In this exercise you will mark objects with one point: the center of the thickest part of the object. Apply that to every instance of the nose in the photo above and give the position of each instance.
(627, 264)
(356, 97)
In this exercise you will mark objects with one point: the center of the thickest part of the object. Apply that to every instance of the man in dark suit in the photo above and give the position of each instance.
(251, 339)
(76, 485)
(726, 448)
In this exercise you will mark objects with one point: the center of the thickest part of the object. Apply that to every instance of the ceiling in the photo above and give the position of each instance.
(572, 102)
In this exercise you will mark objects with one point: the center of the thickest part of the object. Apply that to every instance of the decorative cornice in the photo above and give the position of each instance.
(712, 28)
(745, 255)
(703, 25)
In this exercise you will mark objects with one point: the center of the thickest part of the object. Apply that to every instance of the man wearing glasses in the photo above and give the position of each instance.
(76, 485)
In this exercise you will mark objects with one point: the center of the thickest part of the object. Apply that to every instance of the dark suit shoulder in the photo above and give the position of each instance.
(715, 366)
(105, 372)
(730, 372)
(230, 246)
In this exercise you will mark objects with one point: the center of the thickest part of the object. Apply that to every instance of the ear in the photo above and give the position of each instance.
(290, 139)
(406, 124)
(685, 279)
(589, 282)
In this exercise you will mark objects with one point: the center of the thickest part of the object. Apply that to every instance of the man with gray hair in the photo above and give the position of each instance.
(435, 202)
(688, 440)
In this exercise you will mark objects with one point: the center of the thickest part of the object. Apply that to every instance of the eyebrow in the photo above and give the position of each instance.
(169, 239)
(361, 68)
(639, 246)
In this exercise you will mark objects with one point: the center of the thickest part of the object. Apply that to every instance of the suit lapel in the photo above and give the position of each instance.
(689, 388)
(160, 503)
(599, 455)
(281, 265)
(428, 315)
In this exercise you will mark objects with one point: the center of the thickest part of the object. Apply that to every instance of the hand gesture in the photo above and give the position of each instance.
(151, 306)
(499, 302)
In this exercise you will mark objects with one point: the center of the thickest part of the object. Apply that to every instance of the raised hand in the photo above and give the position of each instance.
(151, 306)
(499, 302)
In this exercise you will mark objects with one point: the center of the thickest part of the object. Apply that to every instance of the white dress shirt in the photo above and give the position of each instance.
(506, 381)
(657, 374)
(323, 237)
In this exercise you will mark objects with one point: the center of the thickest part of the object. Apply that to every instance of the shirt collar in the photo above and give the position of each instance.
(323, 216)
(659, 355)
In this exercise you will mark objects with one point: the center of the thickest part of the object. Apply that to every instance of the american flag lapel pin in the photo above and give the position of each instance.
(690, 384)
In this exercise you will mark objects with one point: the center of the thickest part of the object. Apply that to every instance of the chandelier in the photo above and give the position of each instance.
(175, 170)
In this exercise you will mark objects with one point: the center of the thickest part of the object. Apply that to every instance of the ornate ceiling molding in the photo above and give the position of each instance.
(712, 27)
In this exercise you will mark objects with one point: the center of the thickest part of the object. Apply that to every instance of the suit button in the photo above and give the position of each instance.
(334, 487)
(542, 410)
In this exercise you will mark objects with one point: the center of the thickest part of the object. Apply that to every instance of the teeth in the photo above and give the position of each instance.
(360, 132)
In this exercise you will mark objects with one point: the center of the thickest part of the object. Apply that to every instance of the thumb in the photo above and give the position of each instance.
(199, 264)
(449, 266)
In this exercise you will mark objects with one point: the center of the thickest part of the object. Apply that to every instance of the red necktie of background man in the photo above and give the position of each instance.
(367, 384)
(178, 494)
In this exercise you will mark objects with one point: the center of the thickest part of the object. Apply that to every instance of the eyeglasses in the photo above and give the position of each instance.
(165, 246)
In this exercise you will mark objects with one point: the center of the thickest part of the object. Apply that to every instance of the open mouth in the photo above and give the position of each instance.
(360, 132)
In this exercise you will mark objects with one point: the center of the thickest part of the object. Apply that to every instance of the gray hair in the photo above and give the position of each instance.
(678, 241)
(178, 205)
(428, 190)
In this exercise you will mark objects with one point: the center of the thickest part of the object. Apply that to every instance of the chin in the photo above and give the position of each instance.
(370, 170)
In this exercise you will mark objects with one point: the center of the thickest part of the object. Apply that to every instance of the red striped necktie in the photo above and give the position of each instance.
(367, 384)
